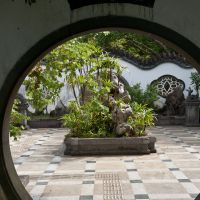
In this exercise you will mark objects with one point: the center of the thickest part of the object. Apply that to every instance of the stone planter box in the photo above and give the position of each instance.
(44, 123)
(110, 146)
(170, 120)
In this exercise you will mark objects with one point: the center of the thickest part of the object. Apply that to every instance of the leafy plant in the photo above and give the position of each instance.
(195, 77)
(16, 119)
(142, 117)
(144, 97)
(136, 45)
(43, 86)
(89, 120)
(90, 70)
(87, 68)
(65, 64)
(78, 64)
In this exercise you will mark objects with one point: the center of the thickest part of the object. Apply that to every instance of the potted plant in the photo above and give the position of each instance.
(91, 131)
(102, 119)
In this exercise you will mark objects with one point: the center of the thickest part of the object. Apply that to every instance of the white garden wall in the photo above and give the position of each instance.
(133, 75)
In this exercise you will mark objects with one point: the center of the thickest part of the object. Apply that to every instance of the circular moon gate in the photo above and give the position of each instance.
(10, 185)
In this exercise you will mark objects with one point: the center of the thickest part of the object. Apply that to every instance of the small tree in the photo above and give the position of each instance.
(42, 86)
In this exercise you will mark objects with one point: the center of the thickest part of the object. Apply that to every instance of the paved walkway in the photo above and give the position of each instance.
(173, 173)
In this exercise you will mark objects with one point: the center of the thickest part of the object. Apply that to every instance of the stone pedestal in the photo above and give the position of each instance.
(192, 113)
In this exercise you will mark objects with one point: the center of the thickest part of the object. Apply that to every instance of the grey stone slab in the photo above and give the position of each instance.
(128, 161)
(131, 170)
(184, 180)
(174, 169)
(42, 183)
(49, 171)
(141, 196)
(88, 182)
(167, 160)
(86, 197)
(89, 170)
(24, 179)
(195, 196)
(135, 181)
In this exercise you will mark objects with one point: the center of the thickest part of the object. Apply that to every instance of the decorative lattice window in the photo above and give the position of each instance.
(166, 84)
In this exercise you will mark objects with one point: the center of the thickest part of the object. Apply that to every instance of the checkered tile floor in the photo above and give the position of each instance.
(173, 173)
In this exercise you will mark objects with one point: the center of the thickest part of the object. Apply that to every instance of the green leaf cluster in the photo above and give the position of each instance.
(142, 117)
(90, 120)
(144, 97)
(139, 46)
(195, 81)
(81, 65)
(43, 86)
(77, 60)
(16, 118)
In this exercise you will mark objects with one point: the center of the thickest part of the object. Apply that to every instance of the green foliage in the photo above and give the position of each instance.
(89, 116)
(16, 119)
(89, 120)
(44, 83)
(144, 97)
(78, 62)
(42, 86)
(87, 68)
(142, 117)
(195, 77)
(137, 45)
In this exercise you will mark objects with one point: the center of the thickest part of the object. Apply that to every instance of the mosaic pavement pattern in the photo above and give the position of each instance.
(173, 173)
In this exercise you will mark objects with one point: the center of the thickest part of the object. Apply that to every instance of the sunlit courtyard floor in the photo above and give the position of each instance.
(173, 173)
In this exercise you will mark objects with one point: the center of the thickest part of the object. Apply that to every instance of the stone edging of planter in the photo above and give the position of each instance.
(110, 146)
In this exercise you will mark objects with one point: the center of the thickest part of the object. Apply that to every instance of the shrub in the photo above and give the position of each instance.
(93, 120)
(89, 120)
(142, 117)
(145, 97)
(16, 118)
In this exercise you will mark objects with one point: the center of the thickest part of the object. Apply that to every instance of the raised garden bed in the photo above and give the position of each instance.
(44, 123)
(110, 146)
(170, 120)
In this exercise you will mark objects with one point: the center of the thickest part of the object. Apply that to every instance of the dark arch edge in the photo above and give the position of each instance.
(6, 176)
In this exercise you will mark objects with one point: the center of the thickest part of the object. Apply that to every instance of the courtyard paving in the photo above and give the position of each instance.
(173, 173)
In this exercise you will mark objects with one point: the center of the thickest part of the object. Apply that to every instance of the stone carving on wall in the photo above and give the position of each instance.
(166, 84)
